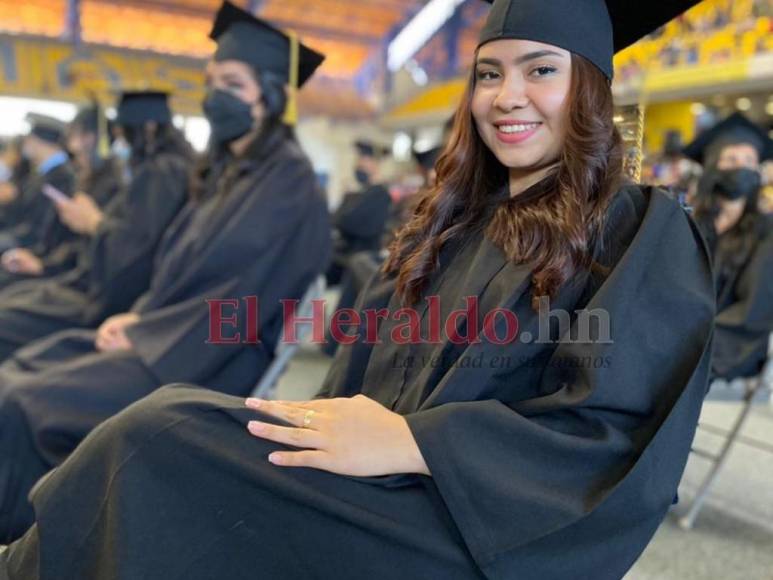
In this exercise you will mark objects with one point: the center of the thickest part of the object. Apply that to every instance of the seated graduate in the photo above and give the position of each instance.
(14, 170)
(34, 230)
(114, 268)
(98, 179)
(98, 173)
(259, 226)
(360, 221)
(548, 457)
(361, 265)
(741, 240)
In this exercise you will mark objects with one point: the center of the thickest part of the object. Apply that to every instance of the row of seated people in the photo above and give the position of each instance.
(106, 272)
(459, 469)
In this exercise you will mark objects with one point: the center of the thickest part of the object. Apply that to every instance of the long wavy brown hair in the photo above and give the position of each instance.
(554, 231)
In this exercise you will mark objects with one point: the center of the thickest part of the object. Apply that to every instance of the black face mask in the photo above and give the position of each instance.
(737, 183)
(229, 116)
(362, 176)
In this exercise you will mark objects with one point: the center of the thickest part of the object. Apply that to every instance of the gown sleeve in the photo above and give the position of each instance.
(283, 215)
(512, 473)
(121, 253)
(742, 328)
(364, 214)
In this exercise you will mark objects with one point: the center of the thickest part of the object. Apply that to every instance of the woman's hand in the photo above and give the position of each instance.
(81, 214)
(111, 336)
(356, 436)
(22, 261)
(8, 192)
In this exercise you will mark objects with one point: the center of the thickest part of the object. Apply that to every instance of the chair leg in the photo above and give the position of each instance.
(686, 522)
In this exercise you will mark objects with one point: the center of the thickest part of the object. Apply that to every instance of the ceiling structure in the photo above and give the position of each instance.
(350, 33)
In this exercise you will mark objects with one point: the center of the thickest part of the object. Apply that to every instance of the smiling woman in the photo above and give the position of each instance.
(559, 464)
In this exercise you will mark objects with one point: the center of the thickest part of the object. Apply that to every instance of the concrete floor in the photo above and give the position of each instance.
(733, 536)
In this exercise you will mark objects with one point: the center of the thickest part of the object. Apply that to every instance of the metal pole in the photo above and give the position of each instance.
(73, 28)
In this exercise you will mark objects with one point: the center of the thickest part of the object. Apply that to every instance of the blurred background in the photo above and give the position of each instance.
(394, 72)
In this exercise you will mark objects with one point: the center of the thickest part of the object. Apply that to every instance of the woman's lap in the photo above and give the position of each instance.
(175, 487)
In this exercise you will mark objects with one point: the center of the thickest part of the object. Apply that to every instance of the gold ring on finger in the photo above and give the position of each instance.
(307, 418)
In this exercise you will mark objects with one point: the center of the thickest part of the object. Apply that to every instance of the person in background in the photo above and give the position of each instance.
(360, 221)
(672, 169)
(98, 172)
(36, 230)
(14, 170)
(426, 160)
(740, 237)
(99, 176)
(256, 224)
(113, 268)
(559, 464)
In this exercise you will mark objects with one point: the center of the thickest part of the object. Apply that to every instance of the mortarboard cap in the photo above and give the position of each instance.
(241, 36)
(735, 129)
(87, 118)
(139, 107)
(427, 159)
(370, 149)
(594, 29)
(46, 128)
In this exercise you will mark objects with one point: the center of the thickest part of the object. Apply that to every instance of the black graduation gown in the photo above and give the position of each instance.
(39, 228)
(559, 463)
(359, 223)
(265, 233)
(744, 283)
(103, 183)
(113, 269)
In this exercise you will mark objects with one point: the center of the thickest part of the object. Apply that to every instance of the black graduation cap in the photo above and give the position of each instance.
(138, 107)
(370, 149)
(427, 159)
(595, 29)
(46, 128)
(241, 36)
(87, 118)
(735, 129)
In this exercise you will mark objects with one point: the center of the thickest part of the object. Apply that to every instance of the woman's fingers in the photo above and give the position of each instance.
(295, 414)
(295, 436)
(314, 459)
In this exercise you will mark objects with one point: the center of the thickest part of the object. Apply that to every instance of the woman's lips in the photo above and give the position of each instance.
(510, 133)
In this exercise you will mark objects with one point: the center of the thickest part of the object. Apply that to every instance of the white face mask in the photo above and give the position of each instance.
(5, 172)
(121, 150)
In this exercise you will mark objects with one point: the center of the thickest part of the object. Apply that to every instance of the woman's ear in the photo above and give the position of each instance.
(151, 129)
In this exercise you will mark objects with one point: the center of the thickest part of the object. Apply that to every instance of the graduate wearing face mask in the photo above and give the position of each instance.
(741, 240)
(114, 262)
(360, 221)
(558, 464)
(256, 225)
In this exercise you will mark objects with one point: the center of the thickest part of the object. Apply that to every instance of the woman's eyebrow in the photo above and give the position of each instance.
(521, 59)
(537, 54)
(231, 77)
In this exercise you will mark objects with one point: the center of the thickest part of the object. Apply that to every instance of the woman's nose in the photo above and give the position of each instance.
(512, 95)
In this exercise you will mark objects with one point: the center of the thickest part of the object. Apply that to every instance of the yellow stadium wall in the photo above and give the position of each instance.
(57, 70)
(662, 117)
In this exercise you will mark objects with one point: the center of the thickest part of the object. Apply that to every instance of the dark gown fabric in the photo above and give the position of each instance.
(265, 232)
(558, 463)
(743, 267)
(102, 183)
(36, 224)
(359, 224)
(112, 270)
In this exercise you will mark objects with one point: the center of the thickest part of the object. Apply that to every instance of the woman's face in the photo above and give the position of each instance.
(738, 156)
(237, 78)
(520, 100)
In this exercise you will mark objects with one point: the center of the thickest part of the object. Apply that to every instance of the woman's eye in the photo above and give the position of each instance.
(487, 75)
(542, 71)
